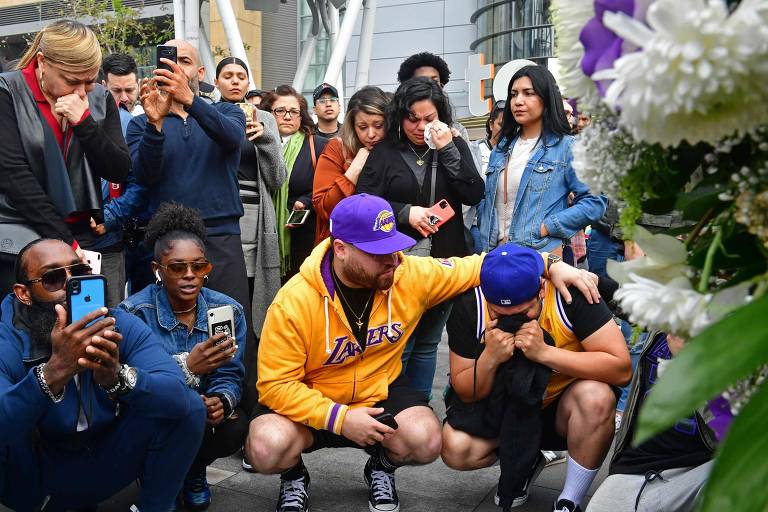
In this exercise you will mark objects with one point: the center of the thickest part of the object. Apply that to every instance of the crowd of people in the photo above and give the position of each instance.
(344, 251)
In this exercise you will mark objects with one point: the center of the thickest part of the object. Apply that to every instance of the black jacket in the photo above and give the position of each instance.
(300, 189)
(96, 150)
(387, 175)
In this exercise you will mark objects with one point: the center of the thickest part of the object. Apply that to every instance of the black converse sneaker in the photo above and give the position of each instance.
(565, 506)
(294, 490)
(382, 496)
(520, 499)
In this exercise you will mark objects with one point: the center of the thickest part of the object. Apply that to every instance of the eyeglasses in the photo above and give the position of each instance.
(55, 279)
(281, 111)
(327, 101)
(180, 268)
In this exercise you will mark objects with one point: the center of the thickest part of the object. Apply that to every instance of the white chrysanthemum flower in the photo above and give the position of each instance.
(673, 307)
(701, 74)
(602, 156)
(568, 18)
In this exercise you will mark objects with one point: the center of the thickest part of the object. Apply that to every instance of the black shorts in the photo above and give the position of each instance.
(550, 439)
(400, 397)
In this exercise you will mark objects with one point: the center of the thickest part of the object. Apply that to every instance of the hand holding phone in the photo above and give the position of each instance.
(166, 52)
(440, 213)
(387, 419)
(297, 218)
(211, 354)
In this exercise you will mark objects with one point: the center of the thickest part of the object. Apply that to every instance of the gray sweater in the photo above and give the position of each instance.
(272, 174)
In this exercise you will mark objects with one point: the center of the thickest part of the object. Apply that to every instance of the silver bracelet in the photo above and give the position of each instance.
(44, 385)
(190, 378)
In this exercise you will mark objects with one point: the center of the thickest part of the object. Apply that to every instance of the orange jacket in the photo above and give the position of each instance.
(330, 186)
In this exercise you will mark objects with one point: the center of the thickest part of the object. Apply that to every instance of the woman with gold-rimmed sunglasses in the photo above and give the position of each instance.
(176, 310)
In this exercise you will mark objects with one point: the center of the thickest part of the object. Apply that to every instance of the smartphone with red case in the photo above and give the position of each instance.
(440, 213)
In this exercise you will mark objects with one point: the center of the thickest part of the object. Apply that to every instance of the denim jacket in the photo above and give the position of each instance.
(152, 306)
(542, 197)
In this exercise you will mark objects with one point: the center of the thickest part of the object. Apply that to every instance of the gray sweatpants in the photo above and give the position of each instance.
(677, 492)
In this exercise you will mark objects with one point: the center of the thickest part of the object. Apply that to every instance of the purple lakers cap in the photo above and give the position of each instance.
(511, 275)
(367, 222)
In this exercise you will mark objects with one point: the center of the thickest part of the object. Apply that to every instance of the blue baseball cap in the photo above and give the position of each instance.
(367, 222)
(511, 275)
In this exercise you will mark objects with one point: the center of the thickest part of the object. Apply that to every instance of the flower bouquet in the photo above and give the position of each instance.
(678, 91)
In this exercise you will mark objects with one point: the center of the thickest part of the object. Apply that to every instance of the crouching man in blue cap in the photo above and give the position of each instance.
(513, 341)
(86, 408)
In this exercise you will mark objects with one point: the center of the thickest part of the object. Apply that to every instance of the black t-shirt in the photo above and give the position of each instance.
(678, 447)
(584, 317)
(357, 304)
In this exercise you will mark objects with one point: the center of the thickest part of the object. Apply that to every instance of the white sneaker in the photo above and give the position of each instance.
(554, 457)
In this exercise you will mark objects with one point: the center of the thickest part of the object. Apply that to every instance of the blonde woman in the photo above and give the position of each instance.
(61, 134)
(344, 157)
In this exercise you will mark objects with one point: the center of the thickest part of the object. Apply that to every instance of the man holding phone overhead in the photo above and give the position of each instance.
(88, 407)
(188, 151)
(329, 359)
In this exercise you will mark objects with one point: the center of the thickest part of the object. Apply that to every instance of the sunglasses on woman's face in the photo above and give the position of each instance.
(55, 279)
(179, 269)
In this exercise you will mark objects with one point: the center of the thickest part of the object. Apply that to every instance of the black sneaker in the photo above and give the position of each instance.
(566, 506)
(521, 498)
(382, 496)
(294, 494)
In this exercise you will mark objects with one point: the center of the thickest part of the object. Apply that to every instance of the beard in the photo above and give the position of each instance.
(362, 277)
(194, 85)
(42, 316)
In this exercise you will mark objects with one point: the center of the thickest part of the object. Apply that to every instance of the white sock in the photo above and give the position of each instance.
(577, 482)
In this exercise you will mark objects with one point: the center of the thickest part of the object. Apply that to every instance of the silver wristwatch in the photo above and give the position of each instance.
(126, 381)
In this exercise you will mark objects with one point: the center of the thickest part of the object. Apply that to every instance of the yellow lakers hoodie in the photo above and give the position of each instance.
(312, 369)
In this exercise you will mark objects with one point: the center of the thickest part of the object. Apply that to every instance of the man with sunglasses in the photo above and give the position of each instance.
(89, 407)
(490, 405)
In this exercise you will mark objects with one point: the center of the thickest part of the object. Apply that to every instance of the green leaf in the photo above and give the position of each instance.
(696, 203)
(710, 362)
(737, 481)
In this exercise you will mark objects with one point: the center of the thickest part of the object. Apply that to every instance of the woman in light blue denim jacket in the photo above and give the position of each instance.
(541, 216)
(176, 310)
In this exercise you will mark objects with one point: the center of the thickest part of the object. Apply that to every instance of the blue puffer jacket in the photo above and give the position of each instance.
(152, 306)
(542, 197)
(160, 390)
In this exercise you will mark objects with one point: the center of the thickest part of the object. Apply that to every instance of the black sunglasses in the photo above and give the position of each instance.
(55, 279)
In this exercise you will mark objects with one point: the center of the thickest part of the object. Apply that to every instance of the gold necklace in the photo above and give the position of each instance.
(184, 310)
(419, 159)
(359, 319)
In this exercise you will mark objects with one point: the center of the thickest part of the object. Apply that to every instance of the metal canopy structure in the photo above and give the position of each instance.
(325, 16)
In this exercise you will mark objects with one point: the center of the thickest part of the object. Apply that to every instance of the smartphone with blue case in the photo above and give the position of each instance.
(84, 295)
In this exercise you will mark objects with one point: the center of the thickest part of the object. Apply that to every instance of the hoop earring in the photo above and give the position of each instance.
(205, 280)
(158, 281)
(399, 135)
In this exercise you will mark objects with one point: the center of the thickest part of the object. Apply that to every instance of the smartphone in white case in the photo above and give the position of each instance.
(221, 319)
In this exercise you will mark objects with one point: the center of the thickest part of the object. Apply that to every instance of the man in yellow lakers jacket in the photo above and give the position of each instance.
(588, 355)
(329, 358)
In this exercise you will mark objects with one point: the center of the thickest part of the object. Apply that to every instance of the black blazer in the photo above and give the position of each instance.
(300, 189)
(386, 174)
